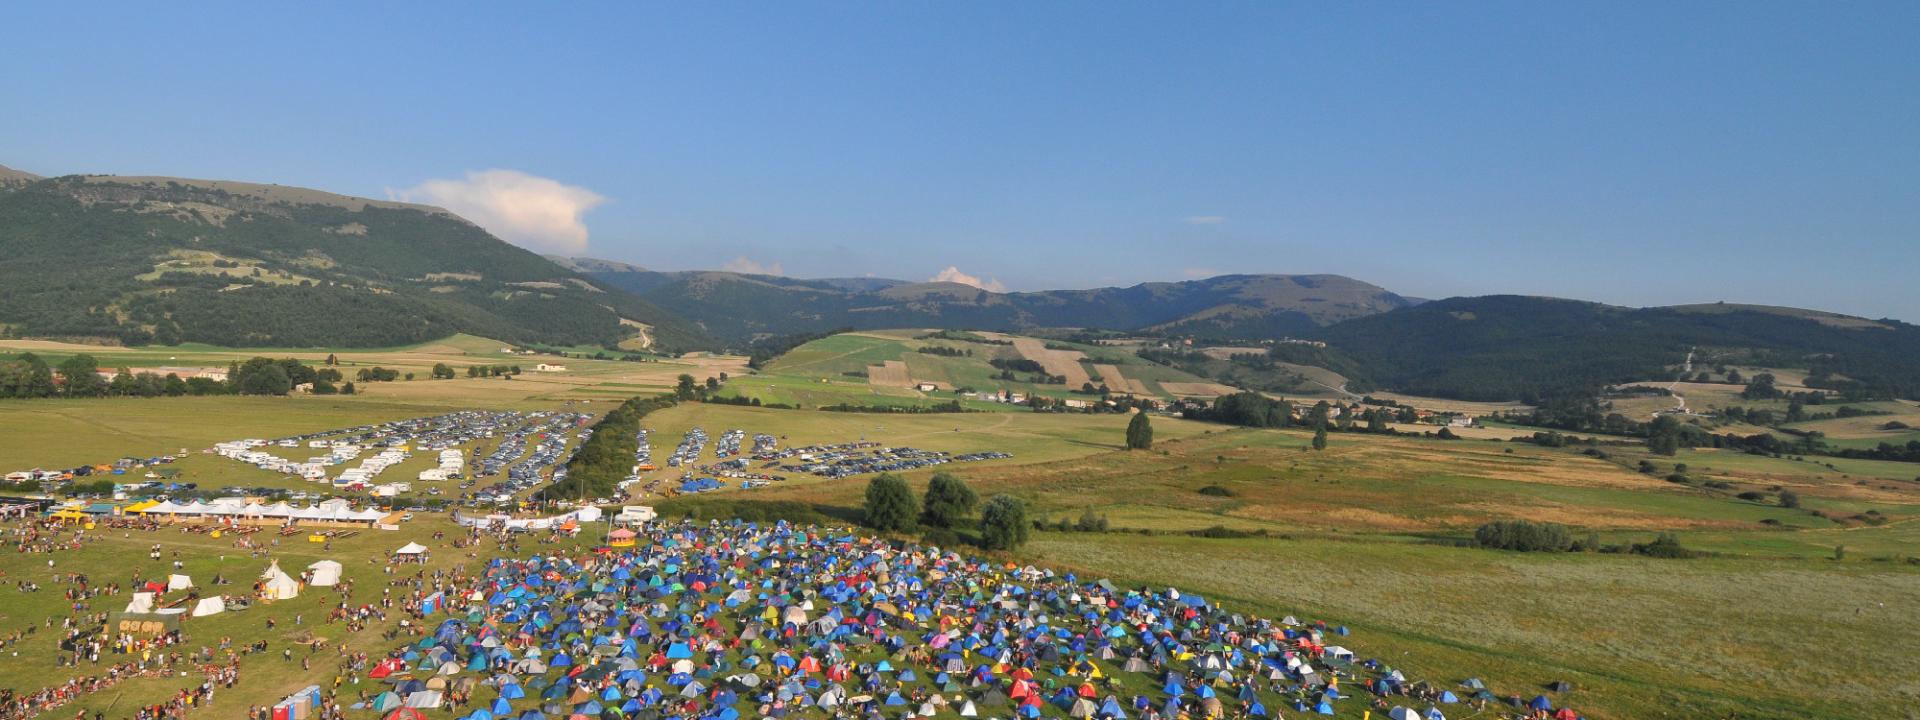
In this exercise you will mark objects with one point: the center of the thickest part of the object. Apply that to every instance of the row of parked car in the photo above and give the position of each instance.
(689, 448)
(900, 459)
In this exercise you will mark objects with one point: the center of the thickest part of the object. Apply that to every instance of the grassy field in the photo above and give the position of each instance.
(117, 556)
(1347, 537)
(829, 361)
(1772, 623)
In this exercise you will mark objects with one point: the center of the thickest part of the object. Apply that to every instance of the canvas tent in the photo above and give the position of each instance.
(326, 573)
(210, 606)
(179, 582)
(142, 602)
(412, 548)
(278, 585)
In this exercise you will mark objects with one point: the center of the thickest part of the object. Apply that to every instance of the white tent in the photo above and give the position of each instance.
(588, 514)
(179, 582)
(278, 585)
(142, 603)
(326, 573)
(210, 606)
(411, 548)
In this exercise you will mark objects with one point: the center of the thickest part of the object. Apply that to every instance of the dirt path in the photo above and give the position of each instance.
(1686, 369)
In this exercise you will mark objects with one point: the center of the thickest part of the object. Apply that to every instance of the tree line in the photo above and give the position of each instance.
(79, 376)
(607, 456)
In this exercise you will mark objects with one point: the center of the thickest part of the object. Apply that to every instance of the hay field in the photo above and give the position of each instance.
(1065, 363)
(1197, 389)
(890, 374)
(1111, 376)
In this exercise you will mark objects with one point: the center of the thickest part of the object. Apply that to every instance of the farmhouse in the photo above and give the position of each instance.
(549, 367)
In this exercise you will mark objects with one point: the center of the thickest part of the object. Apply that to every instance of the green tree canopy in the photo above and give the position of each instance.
(1139, 432)
(80, 373)
(948, 500)
(890, 505)
(1003, 523)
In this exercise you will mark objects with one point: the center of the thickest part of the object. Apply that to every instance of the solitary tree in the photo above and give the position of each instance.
(1003, 523)
(1139, 432)
(890, 504)
(1320, 437)
(685, 389)
(1663, 436)
(948, 499)
(442, 371)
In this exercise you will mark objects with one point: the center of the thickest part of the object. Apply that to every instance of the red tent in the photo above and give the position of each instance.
(406, 713)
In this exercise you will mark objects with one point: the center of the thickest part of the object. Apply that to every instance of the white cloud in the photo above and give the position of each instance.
(536, 213)
(1199, 273)
(1206, 220)
(953, 275)
(748, 267)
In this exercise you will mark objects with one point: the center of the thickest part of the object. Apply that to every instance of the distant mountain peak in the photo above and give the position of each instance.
(10, 176)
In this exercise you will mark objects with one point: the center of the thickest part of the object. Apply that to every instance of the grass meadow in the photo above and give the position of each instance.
(1776, 621)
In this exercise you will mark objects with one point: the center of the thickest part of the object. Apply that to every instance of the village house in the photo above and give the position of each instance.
(549, 367)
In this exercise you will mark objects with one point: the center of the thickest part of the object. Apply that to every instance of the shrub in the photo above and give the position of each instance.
(1666, 546)
(1789, 499)
(1216, 491)
(1523, 536)
(1221, 532)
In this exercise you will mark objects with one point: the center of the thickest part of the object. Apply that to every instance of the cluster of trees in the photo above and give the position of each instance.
(606, 458)
(944, 351)
(1251, 409)
(1018, 365)
(1524, 536)
(481, 371)
(1529, 536)
(890, 506)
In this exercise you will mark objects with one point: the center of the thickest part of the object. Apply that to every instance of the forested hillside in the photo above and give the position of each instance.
(158, 260)
(739, 307)
(1506, 347)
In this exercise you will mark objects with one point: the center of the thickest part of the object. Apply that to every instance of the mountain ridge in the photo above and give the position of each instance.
(1239, 305)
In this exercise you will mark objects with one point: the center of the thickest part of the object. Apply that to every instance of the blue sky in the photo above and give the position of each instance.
(1629, 153)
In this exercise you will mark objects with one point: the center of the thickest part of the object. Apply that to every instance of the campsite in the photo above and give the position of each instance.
(1345, 535)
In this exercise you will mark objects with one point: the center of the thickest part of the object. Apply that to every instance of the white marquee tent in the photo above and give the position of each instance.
(278, 585)
(210, 606)
(326, 573)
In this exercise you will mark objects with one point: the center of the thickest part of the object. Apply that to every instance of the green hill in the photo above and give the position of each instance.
(738, 307)
(1506, 347)
(166, 260)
